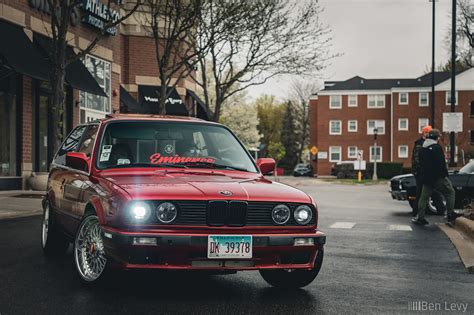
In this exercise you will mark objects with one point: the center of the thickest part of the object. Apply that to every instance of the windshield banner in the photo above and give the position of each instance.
(157, 158)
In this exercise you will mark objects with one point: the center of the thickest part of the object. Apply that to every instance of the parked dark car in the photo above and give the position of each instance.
(303, 169)
(403, 187)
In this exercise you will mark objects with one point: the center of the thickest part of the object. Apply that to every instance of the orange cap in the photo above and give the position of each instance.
(426, 129)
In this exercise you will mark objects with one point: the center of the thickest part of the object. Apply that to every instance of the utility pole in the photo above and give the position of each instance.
(374, 176)
(452, 137)
(433, 65)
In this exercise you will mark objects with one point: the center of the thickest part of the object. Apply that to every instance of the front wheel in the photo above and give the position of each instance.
(53, 242)
(89, 254)
(437, 204)
(291, 278)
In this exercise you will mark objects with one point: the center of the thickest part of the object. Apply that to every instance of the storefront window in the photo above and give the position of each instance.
(94, 106)
(8, 127)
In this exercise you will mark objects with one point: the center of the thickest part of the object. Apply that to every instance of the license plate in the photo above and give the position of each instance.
(229, 246)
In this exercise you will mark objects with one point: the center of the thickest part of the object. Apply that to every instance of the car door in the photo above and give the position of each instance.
(77, 181)
(59, 174)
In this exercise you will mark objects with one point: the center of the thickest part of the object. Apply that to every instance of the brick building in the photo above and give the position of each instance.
(345, 113)
(117, 74)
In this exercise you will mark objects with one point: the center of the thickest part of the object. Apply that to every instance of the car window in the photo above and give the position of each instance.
(69, 145)
(88, 140)
(159, 144)
(467, 169)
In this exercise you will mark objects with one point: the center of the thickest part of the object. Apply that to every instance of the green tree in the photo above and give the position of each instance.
(270, 119)
(290, 136)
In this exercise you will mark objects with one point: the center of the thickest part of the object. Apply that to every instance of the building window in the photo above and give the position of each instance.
(472, 108)
(334, 154)
(92, 106)
(379, 124)
(352, 152)
(424, 99)
(9, 114)
(335, 101)
(448, 98)
(375, 153)
(403, 98)
(403, 151)
(403, 124)
(376, 101)
(352, 126)
(422, 122)
(335, 127)
(472, 136)
(352, 101)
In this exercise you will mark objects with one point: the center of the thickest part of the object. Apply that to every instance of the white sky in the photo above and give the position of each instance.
(378, 39)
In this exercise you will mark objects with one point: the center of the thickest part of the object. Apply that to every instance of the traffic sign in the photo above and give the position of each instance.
(314, 150)
(452, 122)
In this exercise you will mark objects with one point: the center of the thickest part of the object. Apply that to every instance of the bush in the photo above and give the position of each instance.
(385, 170)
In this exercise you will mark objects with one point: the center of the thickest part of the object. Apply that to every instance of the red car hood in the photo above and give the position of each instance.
(195, 185)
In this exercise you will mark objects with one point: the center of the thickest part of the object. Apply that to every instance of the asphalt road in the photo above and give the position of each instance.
(375, 262)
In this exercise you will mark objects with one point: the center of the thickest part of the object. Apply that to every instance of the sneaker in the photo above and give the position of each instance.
(419, 221)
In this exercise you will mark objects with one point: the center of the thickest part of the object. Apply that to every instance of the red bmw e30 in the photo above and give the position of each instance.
(138, 191)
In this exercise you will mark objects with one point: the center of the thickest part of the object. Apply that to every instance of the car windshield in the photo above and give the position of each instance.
(171, 144)
(468, 168)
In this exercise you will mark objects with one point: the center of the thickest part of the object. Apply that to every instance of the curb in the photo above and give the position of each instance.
(463, 244)
(466, 226)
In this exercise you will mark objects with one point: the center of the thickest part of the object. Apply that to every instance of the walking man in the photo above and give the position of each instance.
(434, 176)
(416, 166)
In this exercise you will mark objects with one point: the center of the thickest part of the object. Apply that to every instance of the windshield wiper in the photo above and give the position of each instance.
(149, 165)
(214, 165)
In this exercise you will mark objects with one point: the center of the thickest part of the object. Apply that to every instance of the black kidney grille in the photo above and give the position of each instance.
(237, 213)
(217, 213)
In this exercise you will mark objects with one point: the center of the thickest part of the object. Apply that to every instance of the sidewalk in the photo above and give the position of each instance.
(20, 203)
(461, 235)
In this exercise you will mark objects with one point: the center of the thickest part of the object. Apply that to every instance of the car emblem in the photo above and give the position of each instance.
(225, 193)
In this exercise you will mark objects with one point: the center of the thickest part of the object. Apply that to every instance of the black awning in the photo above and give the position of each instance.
(19, 53)
(148, 100)
(128, 104)
(77, 74)
(200, 106)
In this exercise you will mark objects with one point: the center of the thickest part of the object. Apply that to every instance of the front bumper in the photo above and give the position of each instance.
(398, 194)
(189, 251)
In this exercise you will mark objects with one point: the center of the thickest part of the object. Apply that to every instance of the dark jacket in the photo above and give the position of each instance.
(415, 157)
(433, 163)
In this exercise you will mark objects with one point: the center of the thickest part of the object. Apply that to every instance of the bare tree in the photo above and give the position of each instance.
(299, 95)
(464, 36)
(61, 12)
(173, 26)
(249, 42)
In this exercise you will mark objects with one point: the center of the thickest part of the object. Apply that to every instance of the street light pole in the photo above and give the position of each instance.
(374, 176)
(452, 138)
(433, 65)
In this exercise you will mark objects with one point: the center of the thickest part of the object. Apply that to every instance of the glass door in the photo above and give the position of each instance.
(42, 153)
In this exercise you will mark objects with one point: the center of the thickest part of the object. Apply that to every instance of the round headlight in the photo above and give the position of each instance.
(303, 215)
(166, 212)
(139, 211)
(281, 214)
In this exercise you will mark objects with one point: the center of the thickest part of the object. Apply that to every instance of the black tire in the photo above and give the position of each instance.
(281, 278)
(89, 233)
(53, 242)
(437, 204)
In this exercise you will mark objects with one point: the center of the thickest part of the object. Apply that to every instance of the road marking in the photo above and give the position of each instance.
(399, 227)
(342, 225)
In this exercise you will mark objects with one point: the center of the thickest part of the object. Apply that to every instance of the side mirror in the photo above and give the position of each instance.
(78, 161)
(266, 165)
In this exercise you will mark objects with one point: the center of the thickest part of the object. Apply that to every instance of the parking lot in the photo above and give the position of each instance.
(375, 262)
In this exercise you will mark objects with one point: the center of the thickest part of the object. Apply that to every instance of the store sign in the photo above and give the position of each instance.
(43, 6)
(452, 122)
(98, 14)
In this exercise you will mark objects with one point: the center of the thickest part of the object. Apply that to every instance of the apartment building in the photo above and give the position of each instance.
(345, 113)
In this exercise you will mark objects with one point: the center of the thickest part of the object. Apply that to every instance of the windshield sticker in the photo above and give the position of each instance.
(107, 148)
(123, 161)
(169, 148)
(157, 158)
(104, 157)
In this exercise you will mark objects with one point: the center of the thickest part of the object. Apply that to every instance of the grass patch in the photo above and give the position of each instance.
(351, 181)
